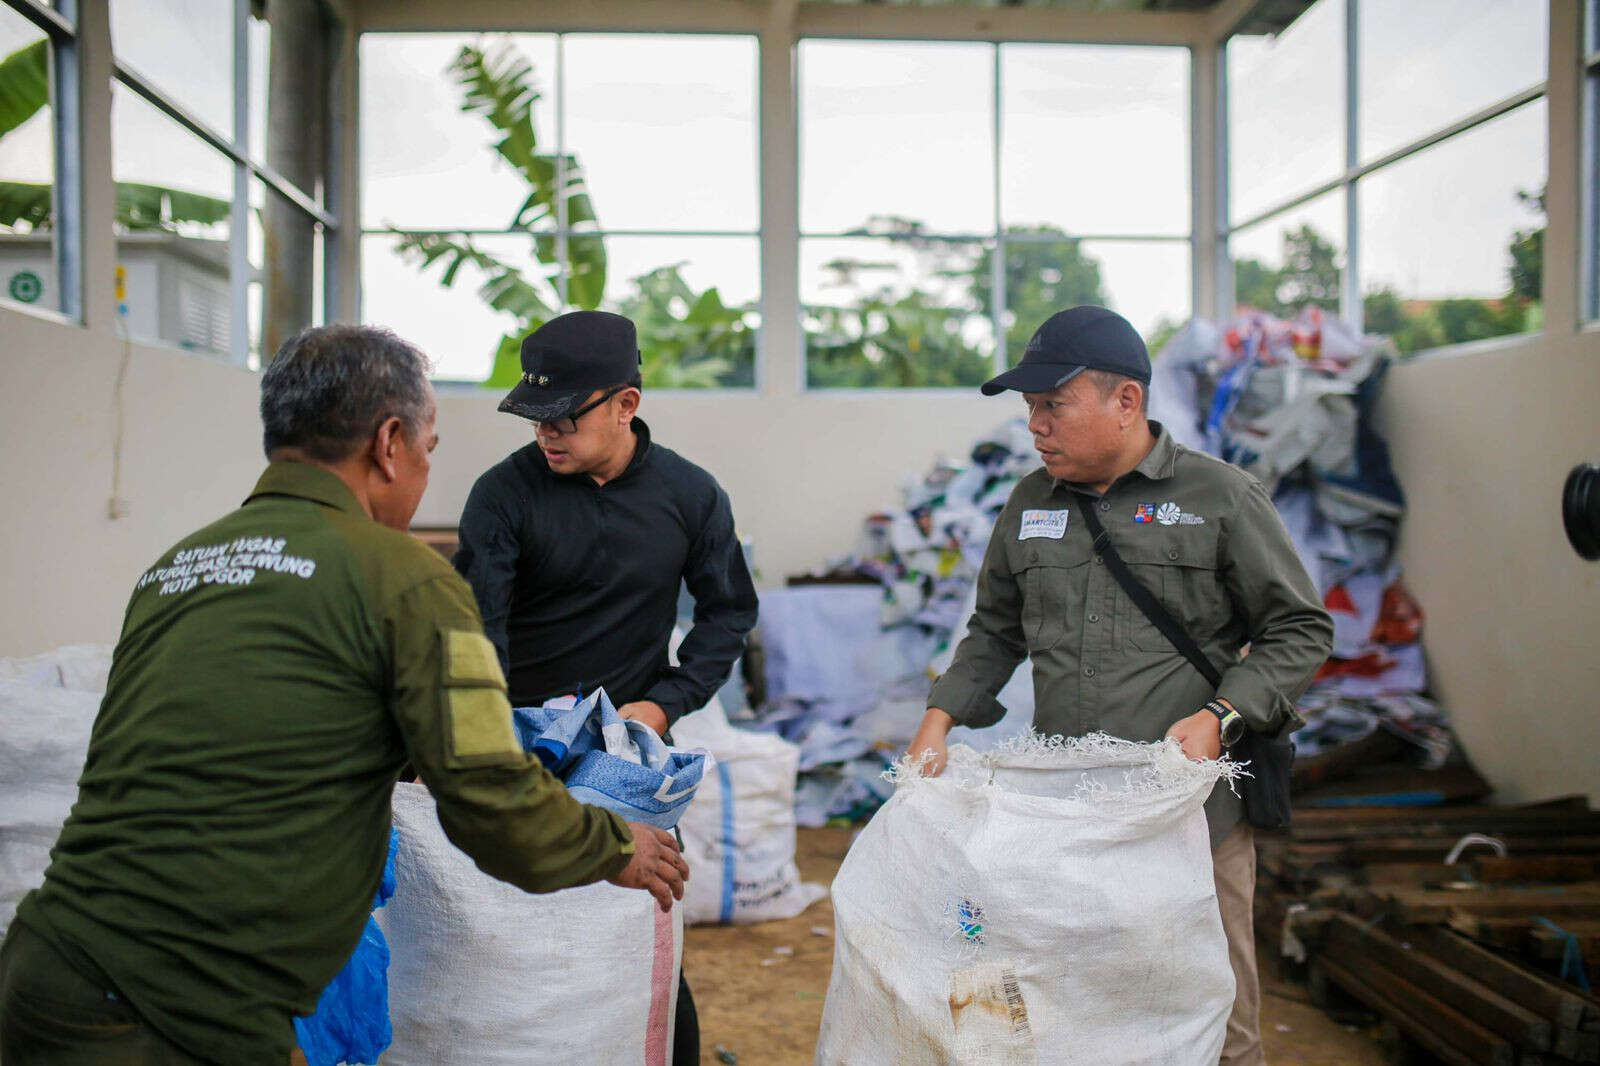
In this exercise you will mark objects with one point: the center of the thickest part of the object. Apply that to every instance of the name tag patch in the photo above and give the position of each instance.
(1050, 524)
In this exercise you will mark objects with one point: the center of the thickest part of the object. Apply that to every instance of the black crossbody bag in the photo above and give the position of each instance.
(1266, 791)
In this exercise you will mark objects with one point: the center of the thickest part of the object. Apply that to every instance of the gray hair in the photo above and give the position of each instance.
(1109, 381)
(330, 387)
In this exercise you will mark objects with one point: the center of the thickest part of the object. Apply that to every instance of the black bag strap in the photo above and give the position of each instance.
(1143, 598)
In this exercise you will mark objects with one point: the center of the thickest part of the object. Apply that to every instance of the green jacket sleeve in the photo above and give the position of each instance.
(988, 656)
(1289, 630)
(501, 807)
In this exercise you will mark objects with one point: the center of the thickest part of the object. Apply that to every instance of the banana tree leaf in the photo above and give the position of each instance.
(24, 84)
(25, 204)
(155, 207)
(507, 370)
(497, 84)
(505, 288)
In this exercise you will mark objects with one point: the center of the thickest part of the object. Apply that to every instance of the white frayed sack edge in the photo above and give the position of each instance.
(1150, 768)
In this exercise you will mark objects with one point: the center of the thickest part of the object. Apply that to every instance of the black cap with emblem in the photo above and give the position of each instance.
(1070, 342)
(569, 357)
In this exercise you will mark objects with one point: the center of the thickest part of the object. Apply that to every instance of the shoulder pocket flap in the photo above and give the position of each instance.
(470, 660)
(480, 728)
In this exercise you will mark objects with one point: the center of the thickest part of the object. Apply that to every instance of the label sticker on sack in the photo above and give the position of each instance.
(990, 1017)
(1051, 524)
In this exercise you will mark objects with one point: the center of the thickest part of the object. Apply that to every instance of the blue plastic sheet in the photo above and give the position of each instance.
(351, 1022)
(608, 761)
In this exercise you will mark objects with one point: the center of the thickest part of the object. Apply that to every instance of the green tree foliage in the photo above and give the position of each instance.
(1045, 273)
(927, 334)
(1310, 275)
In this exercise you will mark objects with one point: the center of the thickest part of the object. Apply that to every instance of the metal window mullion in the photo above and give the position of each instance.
(1350, 289)
(1472, 121)
(169, 107)
(67, 194)
(997, 258)
(498, 231)
(1222, 259)
(59, 24)
(563, 267)
(239, 215)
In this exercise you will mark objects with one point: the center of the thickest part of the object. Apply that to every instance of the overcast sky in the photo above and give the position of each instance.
(1093, 140)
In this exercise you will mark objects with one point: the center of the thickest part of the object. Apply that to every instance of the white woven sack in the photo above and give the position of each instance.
(44, 737)
(482, 973)
(80, 667)
(1046, 902)
(739, 832)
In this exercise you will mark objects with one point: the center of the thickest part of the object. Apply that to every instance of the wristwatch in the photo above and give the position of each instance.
(1232, 722)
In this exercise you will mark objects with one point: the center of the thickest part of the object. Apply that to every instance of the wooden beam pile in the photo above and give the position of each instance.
(1474, 962)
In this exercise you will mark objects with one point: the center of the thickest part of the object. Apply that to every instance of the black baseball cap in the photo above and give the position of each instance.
(567, 358)
(1070, 342)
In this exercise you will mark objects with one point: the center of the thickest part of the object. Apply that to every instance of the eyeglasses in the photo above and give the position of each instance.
(569, 424)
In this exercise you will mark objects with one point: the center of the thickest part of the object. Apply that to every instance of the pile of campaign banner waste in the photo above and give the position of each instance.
(483, 972)
(1047, 901)
(849, 649)
(1293, 402)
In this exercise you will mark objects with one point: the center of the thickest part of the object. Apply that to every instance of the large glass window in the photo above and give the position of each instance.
(219, 225)
(1468, 266)
(1445, 169)
(1591, 160)
(1427, 63)
(28, 267)
(954, 195)
(509, 178)
(1285, 110)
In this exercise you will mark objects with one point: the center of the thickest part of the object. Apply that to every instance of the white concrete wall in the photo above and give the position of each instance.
(192, 450)
(1482, 444)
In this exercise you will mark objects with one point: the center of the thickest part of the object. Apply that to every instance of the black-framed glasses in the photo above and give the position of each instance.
(569, 424)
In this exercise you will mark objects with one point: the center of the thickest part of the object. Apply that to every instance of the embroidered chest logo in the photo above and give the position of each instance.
(1145, 512)
(1041, 523)
(1169, 514)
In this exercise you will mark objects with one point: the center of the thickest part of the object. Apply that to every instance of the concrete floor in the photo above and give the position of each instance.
(759, 989)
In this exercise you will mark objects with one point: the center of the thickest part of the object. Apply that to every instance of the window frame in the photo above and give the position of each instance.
(237, 150)
(1349, 182)
(60, 26)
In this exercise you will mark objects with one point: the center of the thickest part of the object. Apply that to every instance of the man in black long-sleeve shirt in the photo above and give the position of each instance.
(575, 546)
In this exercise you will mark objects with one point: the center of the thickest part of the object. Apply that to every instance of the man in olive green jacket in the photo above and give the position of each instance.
(1199, 534)
(275, 671)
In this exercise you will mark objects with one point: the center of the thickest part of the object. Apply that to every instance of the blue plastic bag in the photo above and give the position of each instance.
(351, 1022)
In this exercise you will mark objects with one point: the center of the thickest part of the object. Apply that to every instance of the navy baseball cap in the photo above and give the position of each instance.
(1070, 342)
(567, 358)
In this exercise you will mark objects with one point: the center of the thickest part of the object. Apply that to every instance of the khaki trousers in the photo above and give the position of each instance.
(1234, 863)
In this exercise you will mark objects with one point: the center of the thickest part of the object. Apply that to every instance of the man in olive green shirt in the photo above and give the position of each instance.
(1201, 535)
(275, 671)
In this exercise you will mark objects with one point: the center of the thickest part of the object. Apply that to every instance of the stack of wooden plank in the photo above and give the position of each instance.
(1477, 961)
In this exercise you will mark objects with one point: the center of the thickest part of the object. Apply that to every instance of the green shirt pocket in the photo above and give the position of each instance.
(1179, 565)
(1050, 575)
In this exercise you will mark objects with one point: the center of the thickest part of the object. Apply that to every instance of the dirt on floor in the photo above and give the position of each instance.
(759, 988)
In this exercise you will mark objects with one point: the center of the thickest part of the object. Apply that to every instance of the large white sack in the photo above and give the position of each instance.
(80, 667)
(482, 973)
(1047, 902)
(44, 736)
(739, 832)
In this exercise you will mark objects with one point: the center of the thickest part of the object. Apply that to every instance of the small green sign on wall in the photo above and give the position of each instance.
(25, 287)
